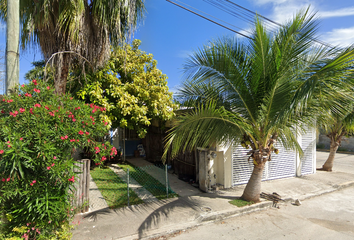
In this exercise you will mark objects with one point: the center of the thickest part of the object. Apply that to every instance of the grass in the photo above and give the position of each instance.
(113, 189)
(240, 202)
(151, 184)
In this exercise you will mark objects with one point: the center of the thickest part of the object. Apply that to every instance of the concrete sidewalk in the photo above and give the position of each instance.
(193, 207)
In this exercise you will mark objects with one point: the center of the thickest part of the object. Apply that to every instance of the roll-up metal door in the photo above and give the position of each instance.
(241, 168)
(308, 145)
(282, 165)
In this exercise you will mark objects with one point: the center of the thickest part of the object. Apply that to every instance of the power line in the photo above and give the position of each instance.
(209, 19)
(245, 14)
(213, 16)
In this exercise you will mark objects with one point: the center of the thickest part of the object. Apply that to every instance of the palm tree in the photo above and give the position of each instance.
(336, 127)
(255, 92)
(76, 30)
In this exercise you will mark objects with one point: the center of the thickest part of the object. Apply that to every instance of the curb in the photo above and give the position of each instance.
(206, 218)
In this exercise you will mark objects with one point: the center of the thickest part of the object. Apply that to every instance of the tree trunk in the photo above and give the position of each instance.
(332, 152)
(12, 45)
(62, 73)
(253, 188)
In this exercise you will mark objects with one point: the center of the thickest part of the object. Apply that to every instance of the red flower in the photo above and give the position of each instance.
(46, 107)
(10, 100)
(8, 179)
(72, 179)
(34, 181)
(81, 132)
(31, 184)
(22, 110)
(37, 105)
(21, 139)
(23, 85)
(74, 120)
(31, 110)
(48, 168)
(103, 158)
(48, 87)
(54, 158)
(52, 165)
(9, 146)
(2, 111)
(34, 81)
(37, 90)
(62, 138)
(1, 151)
(87, 133)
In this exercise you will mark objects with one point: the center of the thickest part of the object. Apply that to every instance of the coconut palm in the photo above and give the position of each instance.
(256, 91)
(336, 127)
(76, 30)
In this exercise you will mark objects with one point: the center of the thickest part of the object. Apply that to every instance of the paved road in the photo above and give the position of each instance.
(329, 216)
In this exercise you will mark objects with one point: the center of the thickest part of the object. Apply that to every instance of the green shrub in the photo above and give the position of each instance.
(38, 135)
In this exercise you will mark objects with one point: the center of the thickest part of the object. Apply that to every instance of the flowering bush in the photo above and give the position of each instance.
(38, 136)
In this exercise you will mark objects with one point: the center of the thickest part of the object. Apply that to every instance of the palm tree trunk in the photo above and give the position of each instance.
(332, 152)
(253, 188)
(62, 72)
(12, 46)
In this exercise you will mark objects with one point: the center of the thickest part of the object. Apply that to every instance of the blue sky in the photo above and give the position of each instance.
(171, 33)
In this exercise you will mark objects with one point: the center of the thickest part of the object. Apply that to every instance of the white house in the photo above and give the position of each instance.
(229, 166)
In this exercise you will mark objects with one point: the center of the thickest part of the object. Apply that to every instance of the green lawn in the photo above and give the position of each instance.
(240, 202)
(113, 189)
(151, 184)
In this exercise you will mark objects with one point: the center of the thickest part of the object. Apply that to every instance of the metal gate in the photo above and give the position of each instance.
(282, 165)
(308, 145)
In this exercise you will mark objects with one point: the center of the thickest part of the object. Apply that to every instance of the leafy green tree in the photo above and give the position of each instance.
(76, 30)
(336, 127)
(131, 88)
(265, 87)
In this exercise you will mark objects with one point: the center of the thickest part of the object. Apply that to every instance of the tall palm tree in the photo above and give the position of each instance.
(76, 30)
(336, 127)
(264, 88)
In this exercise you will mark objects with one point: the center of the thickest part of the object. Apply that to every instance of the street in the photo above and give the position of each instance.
(330, 216)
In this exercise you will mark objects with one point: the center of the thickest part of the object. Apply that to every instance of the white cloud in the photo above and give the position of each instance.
(262, 2)
(343, 12)
(340, 36)
(284, 10)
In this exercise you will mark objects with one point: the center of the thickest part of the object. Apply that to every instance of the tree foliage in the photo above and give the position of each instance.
(39, 133)
(131, 88)
(265, 87)
(83, 29)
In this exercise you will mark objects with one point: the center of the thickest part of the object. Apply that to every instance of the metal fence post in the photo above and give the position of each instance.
(166, 180)
(128, 185)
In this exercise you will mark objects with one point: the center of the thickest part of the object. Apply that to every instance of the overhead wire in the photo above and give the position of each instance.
(213, 16)
(239, 12)
(209, 19)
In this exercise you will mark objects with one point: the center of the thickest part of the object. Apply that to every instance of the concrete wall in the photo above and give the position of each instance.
(347, 143)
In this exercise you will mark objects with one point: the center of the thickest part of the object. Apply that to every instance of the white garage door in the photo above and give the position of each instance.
(282, 165)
